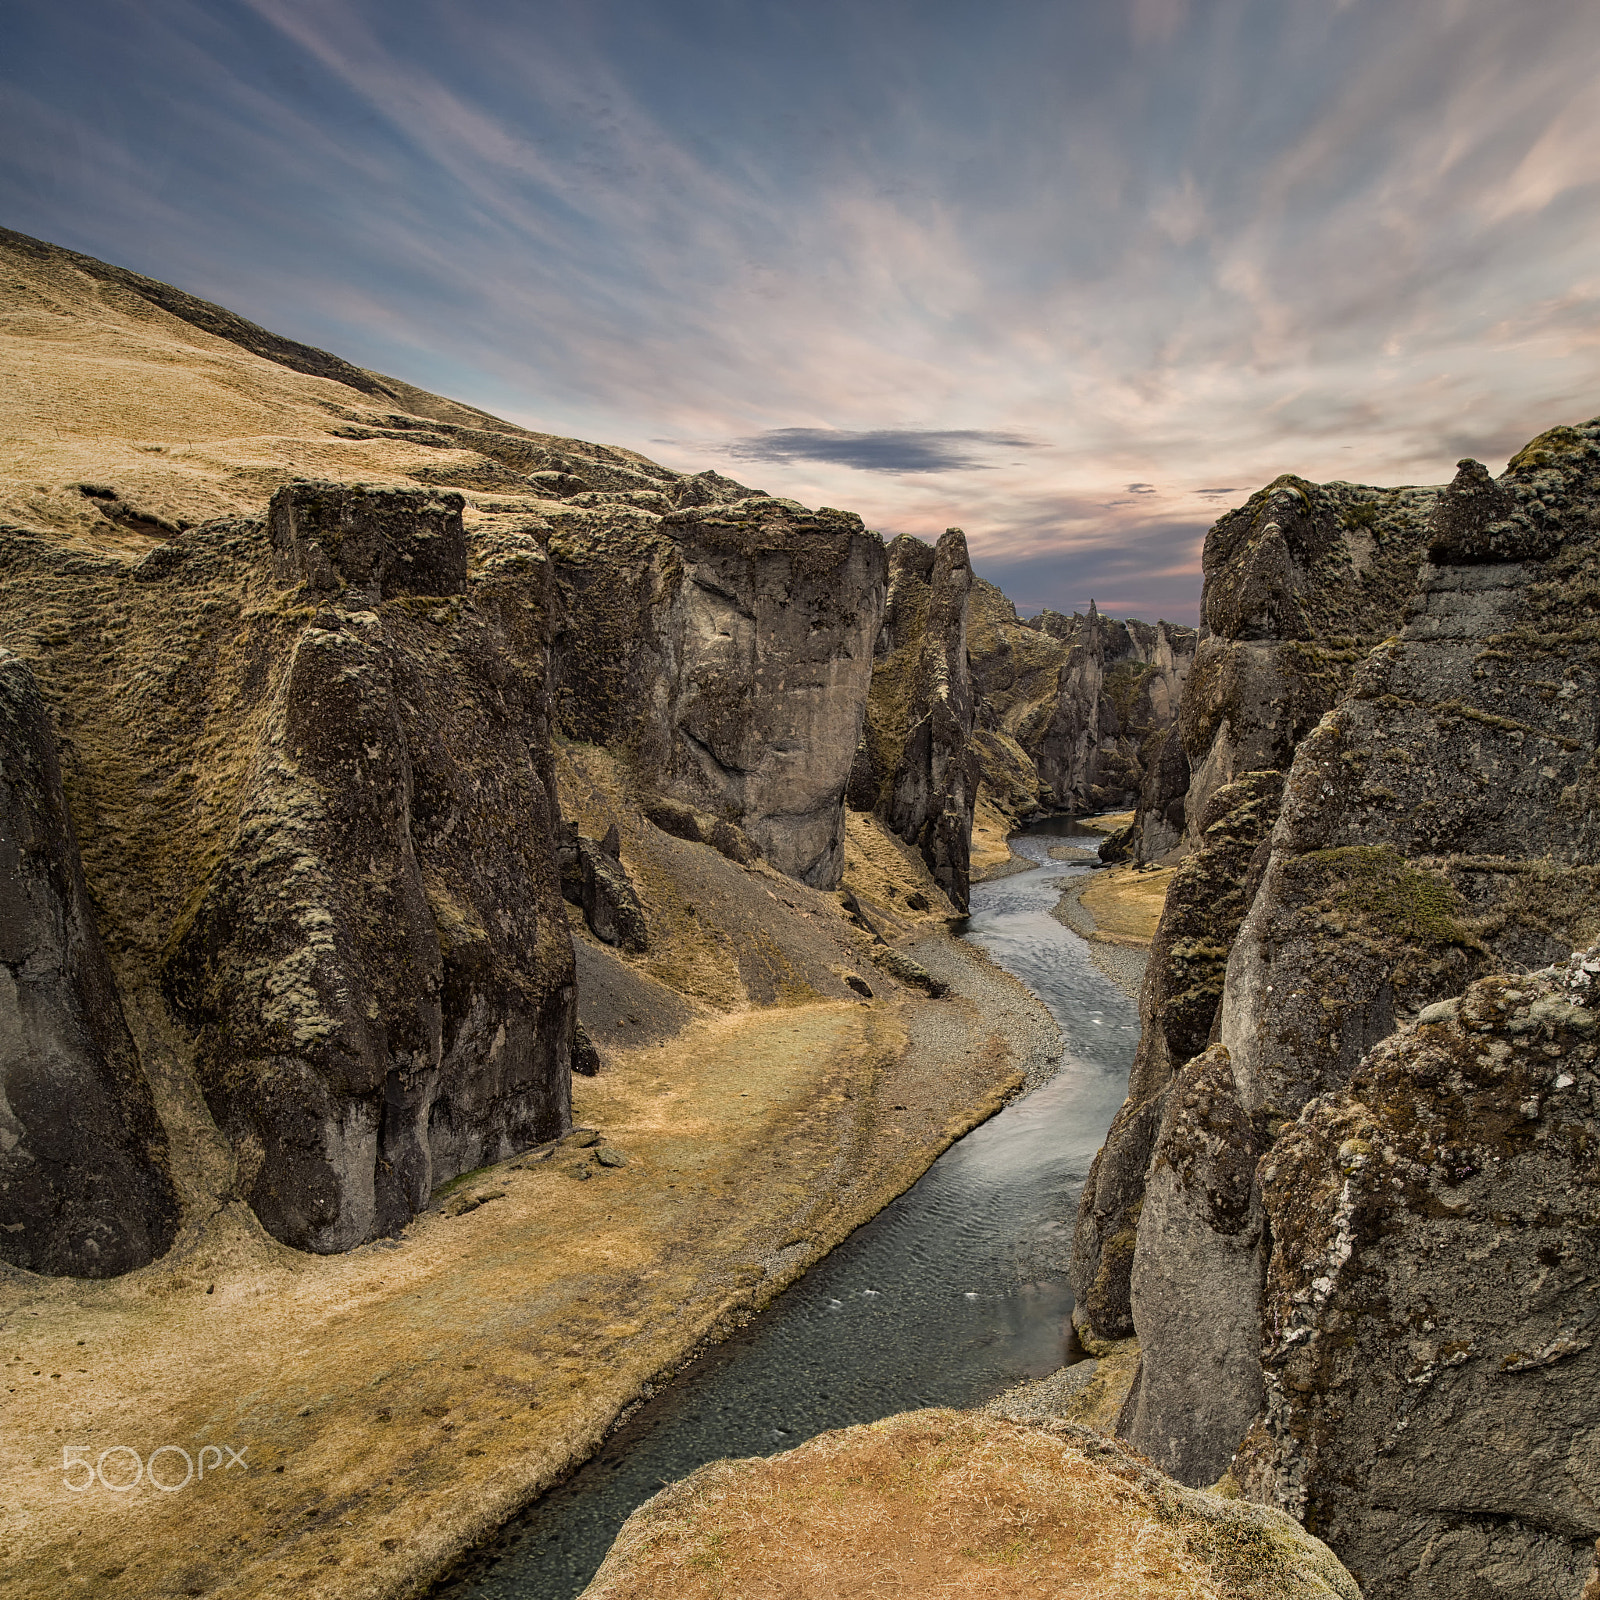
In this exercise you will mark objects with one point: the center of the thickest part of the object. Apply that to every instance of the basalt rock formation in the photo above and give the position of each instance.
(1296, 581)
(84, 1181)
(594, 879)
(311, 767)
(1205, 906)
(728, 650)
(1087, 699)
(916, 765)
(1300, 583)
(311, 658)
(1430, 1335)
(1436, 826)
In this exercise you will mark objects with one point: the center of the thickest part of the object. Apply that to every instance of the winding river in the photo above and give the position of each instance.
(950, 1294)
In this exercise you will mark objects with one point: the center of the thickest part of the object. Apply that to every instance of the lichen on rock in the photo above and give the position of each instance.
(1429, 1317)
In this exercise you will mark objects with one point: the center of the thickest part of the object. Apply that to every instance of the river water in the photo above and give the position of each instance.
(952, 1293)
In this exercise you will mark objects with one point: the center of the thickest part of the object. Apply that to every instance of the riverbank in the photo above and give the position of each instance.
(395, 1404)
(1116, 910)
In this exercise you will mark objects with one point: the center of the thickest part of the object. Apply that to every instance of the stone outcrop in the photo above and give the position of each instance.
(594, 879)
(378, 970)
(84, 1181)
(1435, 826)
(916, 765)
(310, 774)
(1430, 1333)
(1178, 1002)
(1297, 581)
(1300, 583)
(942, 1498)
(728, 650)
(1087, 699)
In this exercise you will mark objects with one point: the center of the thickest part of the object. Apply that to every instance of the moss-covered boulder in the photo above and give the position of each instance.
(1430, 1337)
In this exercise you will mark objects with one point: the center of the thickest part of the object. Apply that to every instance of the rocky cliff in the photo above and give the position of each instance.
(310, 763)
(290, 922)
(1298, 583)
(84, 1177)
(728, 649)
(1430, 1336)
(916, 765)
(1436, 826)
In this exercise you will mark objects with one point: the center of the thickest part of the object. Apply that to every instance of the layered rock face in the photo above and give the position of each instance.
(1295, 581)
(1436, 825)
(84, 1181)
(1205, 905)
(1087, 698)
(728, 650)
(1430, 1333)
(397, 1006)
(1300, 583)
(310, 764)
(916, 764)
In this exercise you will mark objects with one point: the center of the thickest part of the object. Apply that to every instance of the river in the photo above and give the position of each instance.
(950, 1294)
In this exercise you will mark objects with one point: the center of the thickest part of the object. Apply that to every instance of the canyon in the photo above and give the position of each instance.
(469, 892)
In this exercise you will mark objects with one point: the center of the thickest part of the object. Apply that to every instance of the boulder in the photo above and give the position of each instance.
(85, 1185)
(685, 822)
(594, 879)
(945, 1500)
(1429, 1332)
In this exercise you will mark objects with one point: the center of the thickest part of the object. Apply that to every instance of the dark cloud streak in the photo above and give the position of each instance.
(893, 450)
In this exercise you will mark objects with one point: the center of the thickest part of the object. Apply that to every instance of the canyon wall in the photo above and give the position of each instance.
(1361, 1160)
(287, 690)
(1298, 583)
(310, 771)
(1087, 699)
(728, 649)
(916, 765)
(83, 1157)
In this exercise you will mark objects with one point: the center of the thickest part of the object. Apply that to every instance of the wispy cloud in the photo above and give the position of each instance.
(1054, 278)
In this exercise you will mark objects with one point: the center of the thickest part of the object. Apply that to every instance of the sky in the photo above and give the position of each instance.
(1074, 275)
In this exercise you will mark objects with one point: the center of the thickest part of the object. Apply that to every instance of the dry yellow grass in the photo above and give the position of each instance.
(991, 828)
(952, 1503)
(104, 387)
(392, 1405)
(1126, 903)
(935, 1502)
